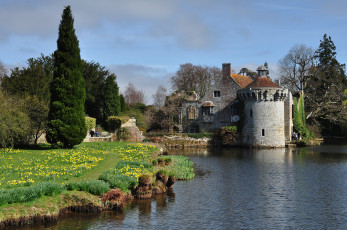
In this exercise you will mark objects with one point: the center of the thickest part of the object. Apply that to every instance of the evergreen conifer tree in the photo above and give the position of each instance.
(325, 91)
(112, 103)
(66, 113)
(122, 103)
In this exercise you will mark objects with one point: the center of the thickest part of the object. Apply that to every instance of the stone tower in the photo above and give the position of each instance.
(264, 114)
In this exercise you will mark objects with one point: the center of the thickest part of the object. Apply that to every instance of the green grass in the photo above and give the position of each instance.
(26, 167)
(182, 168)
(48, 205)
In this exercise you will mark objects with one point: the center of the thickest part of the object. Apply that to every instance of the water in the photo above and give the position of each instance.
(303, 188)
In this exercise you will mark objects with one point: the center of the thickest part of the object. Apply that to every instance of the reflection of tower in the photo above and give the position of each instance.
(263, 112)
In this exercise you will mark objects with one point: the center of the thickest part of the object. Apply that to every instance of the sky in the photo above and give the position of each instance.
(146, 41)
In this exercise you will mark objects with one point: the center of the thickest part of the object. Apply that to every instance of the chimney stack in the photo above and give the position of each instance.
(226, 69)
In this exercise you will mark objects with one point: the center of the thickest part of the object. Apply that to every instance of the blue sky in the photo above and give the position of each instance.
(145, 41)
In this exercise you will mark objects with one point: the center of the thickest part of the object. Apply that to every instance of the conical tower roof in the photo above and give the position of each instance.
(262, 82)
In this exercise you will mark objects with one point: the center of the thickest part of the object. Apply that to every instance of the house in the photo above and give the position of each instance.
(266, 108)
(218, 108)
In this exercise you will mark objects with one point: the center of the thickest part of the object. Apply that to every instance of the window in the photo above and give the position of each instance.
(251, 113)
(207, 110)
(263, 132)
(191, 112)
(216, 94)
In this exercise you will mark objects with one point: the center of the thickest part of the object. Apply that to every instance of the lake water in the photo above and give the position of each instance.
(302, 188)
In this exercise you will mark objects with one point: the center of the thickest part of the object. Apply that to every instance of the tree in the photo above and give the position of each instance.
(37, 112)
(159, 97)
(196, 78)
(122, 103)
(95, 76)
(246, 72)
(66, 112)
(295, 68)
(325, 89)
(133, 96)
(112, 103)
(299, 117)
(3, 72)
(14, 123)
(32, 80)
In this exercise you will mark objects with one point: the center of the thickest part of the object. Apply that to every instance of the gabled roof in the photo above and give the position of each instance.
(262, 82)
(241, 80)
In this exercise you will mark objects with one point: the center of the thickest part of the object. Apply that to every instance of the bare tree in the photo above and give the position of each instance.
(196, 78)
(295, 67)
(159, 97)
(133, 96)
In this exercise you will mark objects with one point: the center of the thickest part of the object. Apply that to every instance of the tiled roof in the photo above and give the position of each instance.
(241, 80)
(208, 104)
(262, 82)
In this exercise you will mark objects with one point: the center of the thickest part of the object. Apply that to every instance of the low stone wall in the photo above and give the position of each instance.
(97, 139)
(181, 142)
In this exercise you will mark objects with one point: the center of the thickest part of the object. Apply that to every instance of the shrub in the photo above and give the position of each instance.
(118, 181)
(231, 128)
(14, 123)
(95, 187)
(122, 134)
(22, 195)
(113, 123)
(90, 123)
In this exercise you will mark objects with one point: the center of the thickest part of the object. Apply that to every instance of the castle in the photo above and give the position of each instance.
(265, 109)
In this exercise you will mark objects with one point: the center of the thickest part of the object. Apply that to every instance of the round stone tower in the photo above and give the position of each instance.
(263, 115)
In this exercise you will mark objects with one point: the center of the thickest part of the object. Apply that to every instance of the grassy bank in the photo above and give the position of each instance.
(31, 178)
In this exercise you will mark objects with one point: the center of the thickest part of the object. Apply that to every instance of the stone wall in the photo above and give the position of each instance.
(266, 125)
(222, 108)
(181, 141)
(288, 120)
(264, 116)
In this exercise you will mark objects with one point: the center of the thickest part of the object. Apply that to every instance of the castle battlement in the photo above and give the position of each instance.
(263, 94)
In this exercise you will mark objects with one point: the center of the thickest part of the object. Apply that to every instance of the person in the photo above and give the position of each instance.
(294, 137)
(91, 133)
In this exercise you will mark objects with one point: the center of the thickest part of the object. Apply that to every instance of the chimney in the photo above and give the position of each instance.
(226, 69)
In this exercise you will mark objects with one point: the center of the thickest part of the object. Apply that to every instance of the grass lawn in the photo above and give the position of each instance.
(85, 162)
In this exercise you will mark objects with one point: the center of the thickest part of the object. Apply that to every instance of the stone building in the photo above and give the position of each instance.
(267, 113)
(218, 108)
(267, 108)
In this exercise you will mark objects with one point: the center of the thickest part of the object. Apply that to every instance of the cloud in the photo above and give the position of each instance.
(145, 78)
(159, 18)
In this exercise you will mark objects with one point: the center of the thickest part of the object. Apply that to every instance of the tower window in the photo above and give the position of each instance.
(263, 132)
(251, 113)
(216, 94)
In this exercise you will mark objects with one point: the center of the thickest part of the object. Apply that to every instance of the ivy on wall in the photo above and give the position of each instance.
(299, 117)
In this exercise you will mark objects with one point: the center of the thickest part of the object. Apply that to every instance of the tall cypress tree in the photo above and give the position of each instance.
(112, 103)
(122, 103)
(66, 113)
